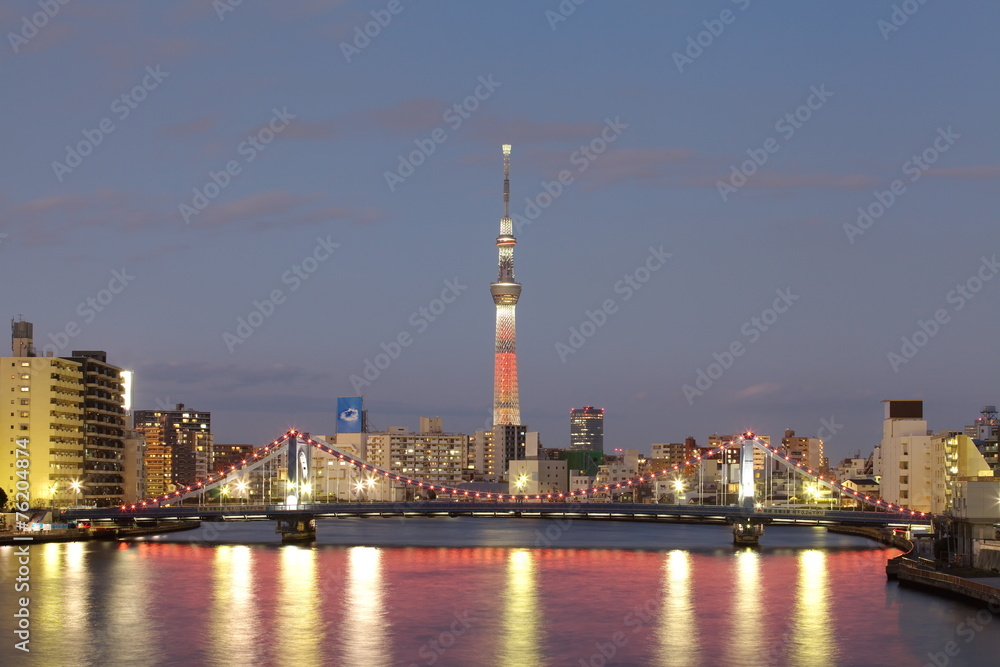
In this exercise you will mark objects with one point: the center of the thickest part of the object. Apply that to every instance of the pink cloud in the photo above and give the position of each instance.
(189, 128)
(974, 172)
(762, 389)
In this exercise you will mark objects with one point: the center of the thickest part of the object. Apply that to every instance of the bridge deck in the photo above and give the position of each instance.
(596, 511)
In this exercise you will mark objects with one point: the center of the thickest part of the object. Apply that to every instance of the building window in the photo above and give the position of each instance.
(24, 388)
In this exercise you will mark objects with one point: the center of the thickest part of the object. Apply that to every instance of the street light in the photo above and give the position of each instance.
(678, 490)
(75, 485)
(241, 486)
(223, 491)
(371, 486)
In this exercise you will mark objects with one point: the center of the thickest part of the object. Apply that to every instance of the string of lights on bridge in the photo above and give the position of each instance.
(274, 447)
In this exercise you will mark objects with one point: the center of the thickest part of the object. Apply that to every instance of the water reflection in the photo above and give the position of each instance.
(746, 644)
(299, 632)
(811, 623)
(678, 630)
(235, 597)
(364, 637)
(65, 608)
(521, 614)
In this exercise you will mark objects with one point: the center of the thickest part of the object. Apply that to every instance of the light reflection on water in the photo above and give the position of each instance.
(521, 642)
(163, 603)
(365, 628)
(813, 644)
(678, 642)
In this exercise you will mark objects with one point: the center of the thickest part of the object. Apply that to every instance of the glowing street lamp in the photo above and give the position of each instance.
(241, 486)
(223, 491)
(75, 485)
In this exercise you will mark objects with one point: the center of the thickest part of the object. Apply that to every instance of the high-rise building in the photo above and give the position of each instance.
(135, 466)
(919, 470)
(986, 432)
(807, 451)
(178, 446)
(506, 291)
(224, 456)
(431, 455)
(586, 428)
(104, 429)
(45, 421)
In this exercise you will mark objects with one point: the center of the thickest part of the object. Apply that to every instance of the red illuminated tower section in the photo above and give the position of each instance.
(505, 291)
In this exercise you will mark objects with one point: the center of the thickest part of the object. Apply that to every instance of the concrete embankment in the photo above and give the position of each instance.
(947, 584)
(96, 533)
(886, 537)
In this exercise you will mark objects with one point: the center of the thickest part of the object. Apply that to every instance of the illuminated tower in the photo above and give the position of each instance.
(505, 291)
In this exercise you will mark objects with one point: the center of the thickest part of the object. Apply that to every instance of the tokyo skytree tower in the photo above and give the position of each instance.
(505, 291)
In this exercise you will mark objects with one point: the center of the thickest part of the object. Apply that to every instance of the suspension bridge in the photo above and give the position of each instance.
(287, 463)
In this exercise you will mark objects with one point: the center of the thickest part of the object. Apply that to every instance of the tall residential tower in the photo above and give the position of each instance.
(505, 291)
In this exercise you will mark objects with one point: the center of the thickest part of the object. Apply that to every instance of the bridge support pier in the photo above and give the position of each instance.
(747, 531)
(297, 529)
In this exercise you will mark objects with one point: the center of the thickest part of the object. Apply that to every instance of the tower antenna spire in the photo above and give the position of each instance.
(506, 180)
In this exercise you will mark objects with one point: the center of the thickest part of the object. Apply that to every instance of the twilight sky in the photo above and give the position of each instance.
(167, 166)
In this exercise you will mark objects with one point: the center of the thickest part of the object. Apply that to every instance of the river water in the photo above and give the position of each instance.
(481, 591)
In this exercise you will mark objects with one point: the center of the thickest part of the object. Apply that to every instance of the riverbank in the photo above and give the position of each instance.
(96, 533)
(969, 590)
(886, 537)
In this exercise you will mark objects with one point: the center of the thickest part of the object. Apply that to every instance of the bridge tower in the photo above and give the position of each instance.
(297, 527)
(747, 530)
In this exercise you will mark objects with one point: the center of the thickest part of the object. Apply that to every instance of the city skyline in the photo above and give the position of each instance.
(251, 247)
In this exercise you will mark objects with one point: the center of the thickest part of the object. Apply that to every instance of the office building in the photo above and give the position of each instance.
(178, 446)
(586, 428)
